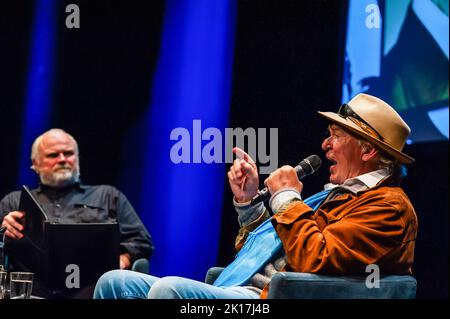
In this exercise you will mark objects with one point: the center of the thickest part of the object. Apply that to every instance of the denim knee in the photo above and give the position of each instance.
(168, 288)
(122, 284)
(108, 285)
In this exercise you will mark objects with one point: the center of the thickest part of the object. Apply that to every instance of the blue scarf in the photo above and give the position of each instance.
(261, 245)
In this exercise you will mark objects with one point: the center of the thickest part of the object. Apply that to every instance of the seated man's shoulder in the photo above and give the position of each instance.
(389, 192)
(14, 195)
(10, 202)
(394, 197)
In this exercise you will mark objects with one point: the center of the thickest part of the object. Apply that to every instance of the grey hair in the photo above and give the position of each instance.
(397, 170)
(38, 140)
(384, 161)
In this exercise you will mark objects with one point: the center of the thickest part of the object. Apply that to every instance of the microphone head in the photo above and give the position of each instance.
(309, 165)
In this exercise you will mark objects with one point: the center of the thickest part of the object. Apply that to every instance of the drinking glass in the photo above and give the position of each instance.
(21, 284)
(3, 278)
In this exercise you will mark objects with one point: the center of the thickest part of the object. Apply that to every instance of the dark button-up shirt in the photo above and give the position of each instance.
(90, 204)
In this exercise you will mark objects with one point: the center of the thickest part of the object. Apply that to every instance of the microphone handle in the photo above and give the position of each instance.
(261, 196)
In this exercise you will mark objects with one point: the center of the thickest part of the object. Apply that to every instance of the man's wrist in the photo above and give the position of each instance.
(247, 212)
(282, 196)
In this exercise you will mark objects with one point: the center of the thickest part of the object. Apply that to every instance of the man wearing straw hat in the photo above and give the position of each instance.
(361, 218)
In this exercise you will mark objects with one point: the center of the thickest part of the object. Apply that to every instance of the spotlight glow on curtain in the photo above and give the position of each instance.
(36, 115)
(181, 203)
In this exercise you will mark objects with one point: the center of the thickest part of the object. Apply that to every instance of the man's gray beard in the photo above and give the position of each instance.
(61, 179)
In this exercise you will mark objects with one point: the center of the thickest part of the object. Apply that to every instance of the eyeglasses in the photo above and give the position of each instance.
(346, 111)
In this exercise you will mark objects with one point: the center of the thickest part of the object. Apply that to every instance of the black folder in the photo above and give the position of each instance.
(51, 249)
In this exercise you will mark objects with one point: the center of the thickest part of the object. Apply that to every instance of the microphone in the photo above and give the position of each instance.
(306, 167)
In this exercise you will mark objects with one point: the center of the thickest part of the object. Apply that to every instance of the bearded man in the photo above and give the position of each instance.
(54, 157)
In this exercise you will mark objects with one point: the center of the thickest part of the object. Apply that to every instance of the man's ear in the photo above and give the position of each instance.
(368, 152)
(33, 166)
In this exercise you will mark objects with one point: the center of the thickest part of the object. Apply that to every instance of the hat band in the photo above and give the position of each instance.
(367, 129)
(346, 112)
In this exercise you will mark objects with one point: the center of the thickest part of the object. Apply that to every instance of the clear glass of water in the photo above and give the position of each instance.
(21, 285)
(3, 278)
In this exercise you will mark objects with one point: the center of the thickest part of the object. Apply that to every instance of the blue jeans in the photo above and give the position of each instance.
(126, 284)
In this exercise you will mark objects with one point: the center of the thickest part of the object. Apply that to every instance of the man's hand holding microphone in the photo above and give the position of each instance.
(244, 180)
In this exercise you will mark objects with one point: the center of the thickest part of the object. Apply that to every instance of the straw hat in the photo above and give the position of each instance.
(375, 121)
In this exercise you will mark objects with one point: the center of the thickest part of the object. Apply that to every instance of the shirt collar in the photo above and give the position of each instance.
(363, 181)
(77, 185)
(371, 179)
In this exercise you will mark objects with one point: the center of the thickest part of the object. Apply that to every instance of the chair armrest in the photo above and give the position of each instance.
(212, 274)
(290, 285)
(141, 265)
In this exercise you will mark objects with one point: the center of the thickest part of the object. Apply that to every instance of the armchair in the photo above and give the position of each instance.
(141, 265)
(292, 285)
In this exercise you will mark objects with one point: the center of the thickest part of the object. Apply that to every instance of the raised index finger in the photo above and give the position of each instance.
(241, 154)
